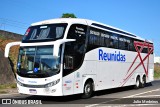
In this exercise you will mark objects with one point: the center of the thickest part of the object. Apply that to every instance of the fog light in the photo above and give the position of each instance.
(54, 90)
(47, 90)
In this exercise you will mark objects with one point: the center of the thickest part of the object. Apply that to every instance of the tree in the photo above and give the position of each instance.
(68, 15)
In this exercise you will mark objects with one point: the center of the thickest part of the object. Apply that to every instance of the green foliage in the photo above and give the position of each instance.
(3, 92)
(8, 86)
(156, 75)
(5, 88)
(157, 71)
(2, 37)
(68, 15)
(13, 85)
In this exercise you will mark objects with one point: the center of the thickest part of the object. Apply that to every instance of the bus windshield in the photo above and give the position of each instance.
(43, 33)
(37, 62)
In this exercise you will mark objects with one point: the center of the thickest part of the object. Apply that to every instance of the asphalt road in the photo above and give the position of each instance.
(119, 97)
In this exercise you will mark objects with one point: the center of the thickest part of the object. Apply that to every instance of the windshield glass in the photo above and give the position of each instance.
(47, 32)
(37, 62)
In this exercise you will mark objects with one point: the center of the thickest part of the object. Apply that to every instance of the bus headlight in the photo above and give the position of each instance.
(52, 83)
(19, 83)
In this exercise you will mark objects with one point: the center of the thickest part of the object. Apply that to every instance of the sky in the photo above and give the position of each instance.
(140, 17)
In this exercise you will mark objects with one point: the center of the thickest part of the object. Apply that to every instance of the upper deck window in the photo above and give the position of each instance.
(44, 32)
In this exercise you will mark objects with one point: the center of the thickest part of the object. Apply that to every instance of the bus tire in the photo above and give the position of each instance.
(88, 90)
(138, 82)
(143, 83)
(149, 84)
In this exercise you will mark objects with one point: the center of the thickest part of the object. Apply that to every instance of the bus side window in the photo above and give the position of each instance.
(131, 45)
(114, 41)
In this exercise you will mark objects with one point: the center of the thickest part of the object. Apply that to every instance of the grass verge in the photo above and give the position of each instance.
(8, 86)
(156, 75)
(157, 71)
(3, 92)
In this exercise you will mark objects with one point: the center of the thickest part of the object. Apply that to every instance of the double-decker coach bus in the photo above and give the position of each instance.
(62, 57)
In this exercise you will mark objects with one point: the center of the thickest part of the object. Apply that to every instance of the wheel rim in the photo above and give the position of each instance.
(137, 83)
(87, 89)
(143, 81)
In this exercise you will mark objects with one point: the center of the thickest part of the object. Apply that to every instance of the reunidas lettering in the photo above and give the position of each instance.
(116, 56)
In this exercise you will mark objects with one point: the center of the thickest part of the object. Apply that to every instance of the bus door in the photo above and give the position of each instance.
(73, 59)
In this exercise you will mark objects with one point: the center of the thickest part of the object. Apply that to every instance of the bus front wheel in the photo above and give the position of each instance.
(88, 90)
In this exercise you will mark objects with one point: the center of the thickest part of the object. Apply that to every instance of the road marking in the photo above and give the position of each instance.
(128, 105)
(123, 98)
(142, 93)
(103, 102)
(149, 96)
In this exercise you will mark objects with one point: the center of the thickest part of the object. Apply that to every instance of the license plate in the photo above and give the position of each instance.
(32, 91)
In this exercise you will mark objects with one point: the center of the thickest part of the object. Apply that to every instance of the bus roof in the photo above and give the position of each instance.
(90, 23)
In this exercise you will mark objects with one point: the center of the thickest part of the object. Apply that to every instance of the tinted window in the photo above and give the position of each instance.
(131, 45)
(74, 51)
(114, 41)
(124, 43)
(100, 38)
(44, 32)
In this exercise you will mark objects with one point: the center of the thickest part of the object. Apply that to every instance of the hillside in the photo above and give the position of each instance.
(7, 65)
(10, 35)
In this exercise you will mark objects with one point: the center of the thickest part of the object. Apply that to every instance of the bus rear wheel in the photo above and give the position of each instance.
(143, 83)
(88, 90)
(138, 82)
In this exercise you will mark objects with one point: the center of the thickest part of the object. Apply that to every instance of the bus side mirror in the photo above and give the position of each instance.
(68, 62)
(8, 46)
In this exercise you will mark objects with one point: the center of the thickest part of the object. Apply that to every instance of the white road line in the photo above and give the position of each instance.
(142, 93)
(128, 105)
(149, 96)
(123, 98)
(103, 102)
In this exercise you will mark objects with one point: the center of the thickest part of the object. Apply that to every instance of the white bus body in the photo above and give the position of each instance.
(90, 56)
